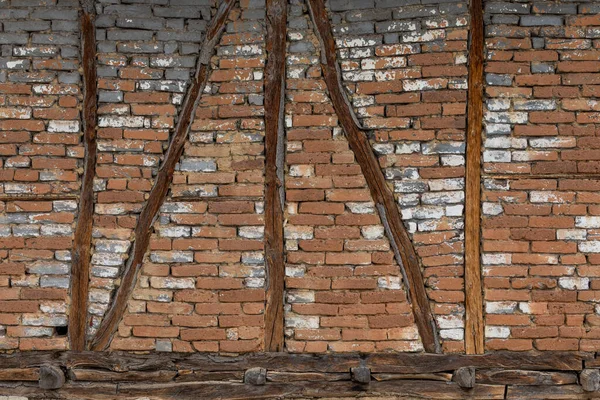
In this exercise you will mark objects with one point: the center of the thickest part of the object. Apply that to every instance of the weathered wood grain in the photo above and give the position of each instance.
(380, 192)
(215, 390)
(474, 332)
(400, 363)
(82, 239)
(274, 172)
(70, 391)
(277, 376)
(202, 376)
(564, 392)
(207, 376)
(19, 374)
(430, 363)
(162, 182)
(440, 376)
(522, 377)
(97, 375)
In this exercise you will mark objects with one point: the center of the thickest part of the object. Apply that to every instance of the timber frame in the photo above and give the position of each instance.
(474, 330)
(385, 203)
(82, 242)
(400, 242)
(162, 182)
(275, 373)
(500, 375)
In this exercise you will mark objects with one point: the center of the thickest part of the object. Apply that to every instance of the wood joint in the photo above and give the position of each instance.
(464, 377)
(361, 374)
(589, 379)
(51, 377)
(255, 376)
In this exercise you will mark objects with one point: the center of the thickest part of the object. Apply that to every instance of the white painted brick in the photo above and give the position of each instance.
(589, 247)
(389, 282)
(574, 283)
(587, 222)
(492, 208)
(497, 332)
(500, 307)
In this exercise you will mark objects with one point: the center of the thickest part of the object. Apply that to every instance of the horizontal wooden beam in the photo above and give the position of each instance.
(181, 376)
(400, 363)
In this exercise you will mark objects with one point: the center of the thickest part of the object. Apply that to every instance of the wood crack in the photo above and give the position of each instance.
(474, 332)
(82, 241)
(274, 172)
(162, 182)
(382, 195)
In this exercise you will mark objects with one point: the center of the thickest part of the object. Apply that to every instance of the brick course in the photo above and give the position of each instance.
(539, 234)
(404, 66)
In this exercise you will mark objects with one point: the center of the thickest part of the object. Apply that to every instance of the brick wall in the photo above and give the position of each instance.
(540, 205)
(404, 66)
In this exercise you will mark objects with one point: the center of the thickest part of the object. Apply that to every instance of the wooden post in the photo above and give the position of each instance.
(162, 182)
(82, 241)
(474, 333)
(274, 172)
(382, 196)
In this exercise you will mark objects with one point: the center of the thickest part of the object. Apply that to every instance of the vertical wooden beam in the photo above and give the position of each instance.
(474, 333)
(382, 195)
(82, 242)
(162, 182)
(274, 172)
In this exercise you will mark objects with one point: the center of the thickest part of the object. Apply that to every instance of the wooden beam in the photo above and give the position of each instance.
(162, 181)
(274, 172)
(20, 374)
(82, 240)
(378, 363)
(240, 391)
(381, 193)
(474, 332)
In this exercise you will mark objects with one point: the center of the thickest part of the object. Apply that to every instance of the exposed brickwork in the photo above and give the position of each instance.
(146, 53)
(344, 289)
(404, 66)
(41, 152)
(539, 235)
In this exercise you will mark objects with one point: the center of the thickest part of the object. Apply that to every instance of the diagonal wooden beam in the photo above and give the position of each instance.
(162, 182)
(274, 172)
(382, 196)
(474, 333)
(82, 242)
